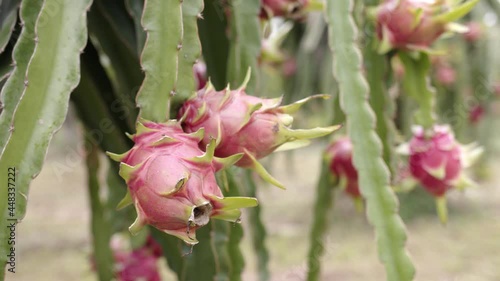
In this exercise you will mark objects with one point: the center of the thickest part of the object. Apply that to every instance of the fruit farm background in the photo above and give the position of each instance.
(55, 239)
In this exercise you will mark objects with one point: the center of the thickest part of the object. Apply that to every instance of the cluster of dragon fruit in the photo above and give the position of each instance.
(171, 169)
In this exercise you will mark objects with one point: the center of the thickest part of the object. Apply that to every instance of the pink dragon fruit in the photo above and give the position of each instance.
(476, 113)
(438, 162)
(445, 75)
(339, 157)
(474, 32)
(172, 181)
(294, 9)
(245, 124)
(416, 24)
(435, 159)
(140, 264)
(200, 74)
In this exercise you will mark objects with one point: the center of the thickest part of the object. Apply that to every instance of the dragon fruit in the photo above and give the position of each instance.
(294, 9)
(339, 158)
(438, 162)
(474, 32)
(435, 159)
(243, 124)
(445, 75)
(140, 264)
(171, 181)
(416, 24)
(339, 155)
(200, 74)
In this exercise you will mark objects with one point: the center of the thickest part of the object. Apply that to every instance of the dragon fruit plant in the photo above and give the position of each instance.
(246, 125)
(172, 181)
(339, 158)
(438, 162)
(416, 24)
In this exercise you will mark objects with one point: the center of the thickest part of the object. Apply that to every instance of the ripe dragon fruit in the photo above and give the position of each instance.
(294, 9)
(474, 32)
(416, 24)
(245, 124)
(171, 181)
(133, 265)
(339, 158)
(139, 264)
(437, 161)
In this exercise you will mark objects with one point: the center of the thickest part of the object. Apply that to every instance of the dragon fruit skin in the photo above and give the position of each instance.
(435, 160)
(172, 181)
(244, 124)
(339, 157)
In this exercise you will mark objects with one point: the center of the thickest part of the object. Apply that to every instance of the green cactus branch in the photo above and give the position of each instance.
(162, 21)
(190, 51)
(14, 86)
(101, 232)
(380, 101)
(244, 43)
(258, 230)
(382, 205)
(53, 72)
(417, 85)
(322, 210)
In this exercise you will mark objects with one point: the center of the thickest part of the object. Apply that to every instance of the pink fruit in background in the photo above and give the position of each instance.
(476, 114)
(399, 23)
(474, 32)
(415, 24)
(339, 156)
(243, 124)
(140, 264)
(496, 89)
(153, 247)
(282, 8)
(445, 75)
(200, 74)
(172, 181)
(435, 159)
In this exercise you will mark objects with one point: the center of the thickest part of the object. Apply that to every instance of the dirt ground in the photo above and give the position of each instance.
(54, 238)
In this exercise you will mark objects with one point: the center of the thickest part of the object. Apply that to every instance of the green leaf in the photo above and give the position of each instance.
(244, 43)
(8, 17)
(382, 205)
(13, 88)
(101, 231)
(215, 44)
(53, 72)
(258, 230)
(416, 84)
(321, 221)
